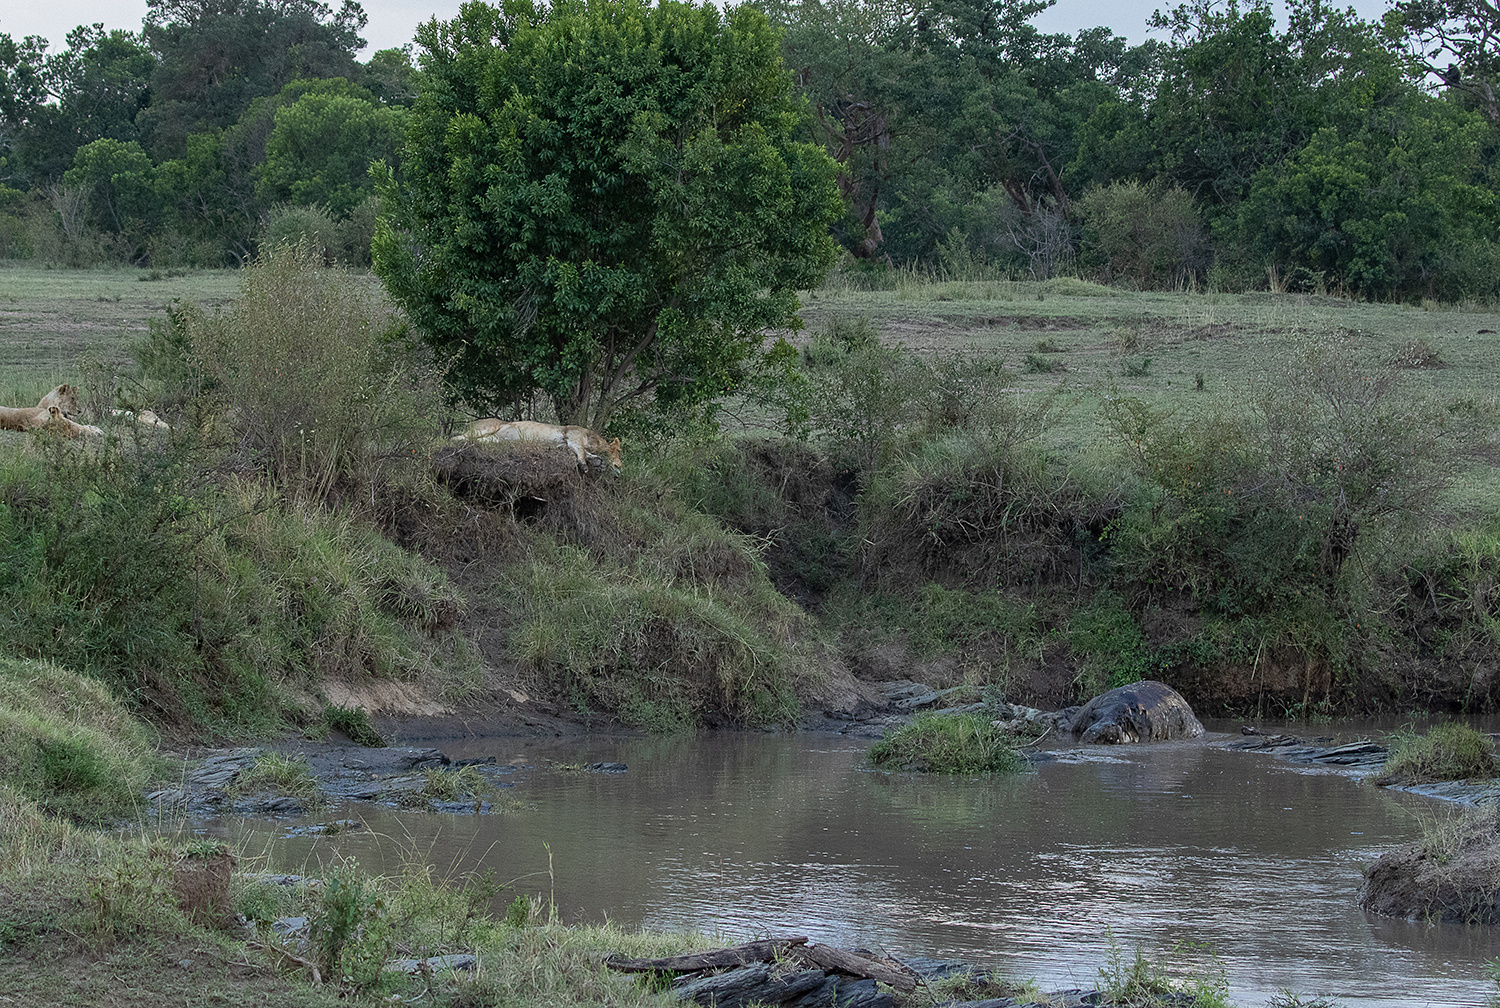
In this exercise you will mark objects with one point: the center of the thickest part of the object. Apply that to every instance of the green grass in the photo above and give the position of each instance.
(88, 917)
(1144, 982)
(949, 743)
(51, 318)
(354, 722)
(68, 745)
(1447, 752)
(282, 774)
(454, 783)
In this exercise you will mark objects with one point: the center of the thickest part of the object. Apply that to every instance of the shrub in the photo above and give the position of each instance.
(992, 513)
(949, 743)
(1147, 236)
(354, 722)
(1450, 751)
(1037, 364)
(311, 368)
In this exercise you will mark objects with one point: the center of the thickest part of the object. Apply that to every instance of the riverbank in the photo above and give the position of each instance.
(573, 788)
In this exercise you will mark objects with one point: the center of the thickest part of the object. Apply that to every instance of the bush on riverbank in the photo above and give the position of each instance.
(931, 519)
(1447, 752)
(212, 605)
(1274, 551)
(949, 743)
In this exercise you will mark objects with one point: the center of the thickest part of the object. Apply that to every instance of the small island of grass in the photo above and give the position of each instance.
(950, 743)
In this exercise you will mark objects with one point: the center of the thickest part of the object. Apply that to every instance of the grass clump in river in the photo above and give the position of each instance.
(1141, 982)
(949, 743)
(1448, 752)
(454, 783)
(274, 771)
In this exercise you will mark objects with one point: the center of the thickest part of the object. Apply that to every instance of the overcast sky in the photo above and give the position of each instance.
(394, 22)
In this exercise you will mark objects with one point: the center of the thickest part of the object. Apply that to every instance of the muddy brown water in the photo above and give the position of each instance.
(1180, 850)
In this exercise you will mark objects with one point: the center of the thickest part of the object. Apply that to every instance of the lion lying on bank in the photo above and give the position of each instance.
(145, 418)
(582, 442)
(30, 418)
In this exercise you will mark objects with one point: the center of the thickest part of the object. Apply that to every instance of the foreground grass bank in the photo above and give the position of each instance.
(88, 917)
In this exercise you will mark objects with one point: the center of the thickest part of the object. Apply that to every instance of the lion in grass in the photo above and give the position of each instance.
(145, 418)
(64, 397)
(582, 442)
(30, 418)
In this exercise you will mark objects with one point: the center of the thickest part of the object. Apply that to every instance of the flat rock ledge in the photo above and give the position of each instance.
(1362, 759)
(790, 972)
(1143, 711)
(395, 776)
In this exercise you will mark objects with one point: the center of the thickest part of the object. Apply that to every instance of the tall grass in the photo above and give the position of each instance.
(206, 604)
(68, 745)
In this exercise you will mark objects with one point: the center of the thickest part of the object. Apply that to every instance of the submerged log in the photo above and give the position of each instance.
(765, 951)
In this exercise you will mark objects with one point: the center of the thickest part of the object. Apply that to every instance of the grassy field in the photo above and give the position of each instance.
(1156, 346)
(1180, 350)
(51, 318)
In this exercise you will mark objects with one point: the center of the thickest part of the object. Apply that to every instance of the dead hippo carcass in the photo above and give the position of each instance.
(1145, 711)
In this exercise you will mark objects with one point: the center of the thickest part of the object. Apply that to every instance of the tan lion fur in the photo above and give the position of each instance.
(64, 397)
(582, 442)
(29, 418)
(145, 418)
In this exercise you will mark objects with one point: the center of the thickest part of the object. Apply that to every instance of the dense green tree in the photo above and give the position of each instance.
(878, 105)
(217, 56)
(118, 183)
(1379, 209)
(208, 196)
(1234, 95)
(391, 77)
(604, 203)
(92, 90)
(321, 145)
(23, 99)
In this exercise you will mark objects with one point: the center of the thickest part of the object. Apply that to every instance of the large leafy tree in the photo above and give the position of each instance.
(603, 203)
(118, 182)
(1458, 42)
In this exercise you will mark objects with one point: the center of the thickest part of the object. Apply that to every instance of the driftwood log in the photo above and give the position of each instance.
(793, 950)
(853, 964)
(766, 951)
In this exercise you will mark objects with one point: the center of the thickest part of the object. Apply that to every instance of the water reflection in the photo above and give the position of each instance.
(1035, 875)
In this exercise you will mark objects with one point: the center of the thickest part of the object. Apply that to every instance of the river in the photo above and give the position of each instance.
(1178, 849)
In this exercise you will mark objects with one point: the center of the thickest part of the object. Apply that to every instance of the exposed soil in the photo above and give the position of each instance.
(1458, 884)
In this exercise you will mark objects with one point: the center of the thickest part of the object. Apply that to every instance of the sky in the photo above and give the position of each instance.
(394, 22)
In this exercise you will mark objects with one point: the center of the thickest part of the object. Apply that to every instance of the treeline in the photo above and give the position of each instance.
(1327, 152)
(1323, 153)
(217, 126)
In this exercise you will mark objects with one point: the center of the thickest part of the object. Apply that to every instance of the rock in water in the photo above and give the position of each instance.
(1145, 711)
